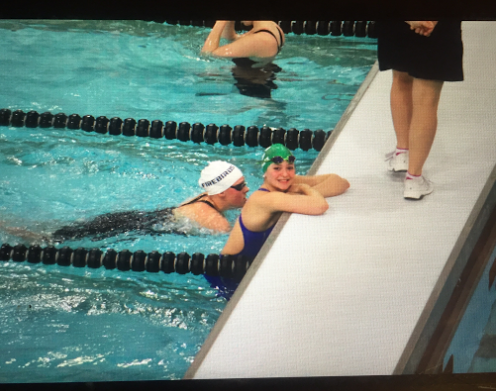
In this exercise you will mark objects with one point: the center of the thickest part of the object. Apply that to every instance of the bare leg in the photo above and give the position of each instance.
(402, 107)
(425, 95)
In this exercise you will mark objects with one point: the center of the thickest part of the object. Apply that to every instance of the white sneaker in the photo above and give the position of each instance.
(397, 163)
(416, 188)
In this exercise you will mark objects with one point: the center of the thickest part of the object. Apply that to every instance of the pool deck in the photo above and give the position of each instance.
(358, 290)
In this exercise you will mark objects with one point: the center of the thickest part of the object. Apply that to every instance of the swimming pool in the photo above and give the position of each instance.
(80, 324)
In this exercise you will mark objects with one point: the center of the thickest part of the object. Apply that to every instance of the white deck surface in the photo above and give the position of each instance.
(341, 294)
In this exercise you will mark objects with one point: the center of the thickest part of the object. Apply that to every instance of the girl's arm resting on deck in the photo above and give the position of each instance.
(302, 199)
(329, 185)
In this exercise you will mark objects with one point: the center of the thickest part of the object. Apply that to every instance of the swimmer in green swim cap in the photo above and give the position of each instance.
(282, 191)
(276, 153)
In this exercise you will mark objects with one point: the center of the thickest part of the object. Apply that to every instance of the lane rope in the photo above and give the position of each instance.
(211, 134)
(348, 28)
(227, 266)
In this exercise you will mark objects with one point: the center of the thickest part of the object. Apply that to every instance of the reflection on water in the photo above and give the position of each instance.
(257, 82)
(254, 83)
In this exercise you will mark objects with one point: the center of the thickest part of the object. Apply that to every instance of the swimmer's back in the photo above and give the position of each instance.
(112, 224)
(280, 41)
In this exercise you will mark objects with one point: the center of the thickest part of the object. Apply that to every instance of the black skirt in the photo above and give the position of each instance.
(437, 57)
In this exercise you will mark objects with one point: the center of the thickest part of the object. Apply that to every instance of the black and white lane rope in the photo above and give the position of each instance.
(227, 266)
(348, 28)
(240, 135)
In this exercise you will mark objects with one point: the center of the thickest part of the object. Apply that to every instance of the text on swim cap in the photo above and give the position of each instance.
(218, 178)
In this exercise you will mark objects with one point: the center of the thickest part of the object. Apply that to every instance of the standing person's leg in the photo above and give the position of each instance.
(401, 107)
(423, 124)
(401, 112)
(426, 94)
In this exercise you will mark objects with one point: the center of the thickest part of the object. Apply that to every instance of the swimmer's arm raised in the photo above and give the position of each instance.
(229, 32)
(253, 45)
(329, 185)
(213, 39)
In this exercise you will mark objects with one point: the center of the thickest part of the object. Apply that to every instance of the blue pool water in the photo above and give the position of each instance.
(472, 345)
(146, 70)
(68, 324)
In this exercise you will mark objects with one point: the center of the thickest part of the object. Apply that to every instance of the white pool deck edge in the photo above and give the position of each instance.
(350, 292)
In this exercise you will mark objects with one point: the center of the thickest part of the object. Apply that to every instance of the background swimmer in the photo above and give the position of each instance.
(260, 45)
(251, 52)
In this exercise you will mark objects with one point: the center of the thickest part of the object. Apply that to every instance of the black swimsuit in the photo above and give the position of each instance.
(112, 224)
(198, 199)
(256, 82)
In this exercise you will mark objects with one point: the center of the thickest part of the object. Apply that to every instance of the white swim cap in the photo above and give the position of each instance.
(219, 176)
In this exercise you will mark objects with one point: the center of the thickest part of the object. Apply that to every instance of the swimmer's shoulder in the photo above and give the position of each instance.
(276, 31)
(192, 200)
(258, 199)
(196, 207)
(198, 204)
(204, 216)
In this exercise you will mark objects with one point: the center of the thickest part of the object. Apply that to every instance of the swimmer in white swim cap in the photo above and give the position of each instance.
(224, 188)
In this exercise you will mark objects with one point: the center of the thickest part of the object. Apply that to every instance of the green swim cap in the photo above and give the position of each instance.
(276, 150)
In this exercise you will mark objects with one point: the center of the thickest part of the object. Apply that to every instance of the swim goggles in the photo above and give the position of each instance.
(239, 186)
(279, 159)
